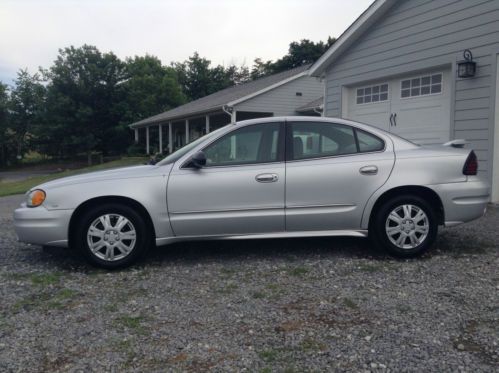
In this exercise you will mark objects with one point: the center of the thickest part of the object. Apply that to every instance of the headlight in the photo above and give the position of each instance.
(35, 198)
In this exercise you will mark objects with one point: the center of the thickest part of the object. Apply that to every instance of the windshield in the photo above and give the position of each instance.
(179, 153)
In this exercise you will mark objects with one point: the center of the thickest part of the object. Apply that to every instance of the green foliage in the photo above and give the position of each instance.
(299, 53)
(199, 79)
(87, 98)
(85, 87)
(4, 127)
(150, 89)
(21, 109)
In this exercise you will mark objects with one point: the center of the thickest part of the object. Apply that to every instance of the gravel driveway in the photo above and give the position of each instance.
(282, 305)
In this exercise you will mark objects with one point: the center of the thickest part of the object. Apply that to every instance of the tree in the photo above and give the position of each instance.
(150, 88)
(198, 78)
(26, 107)
(299, 53)
(194, 76)
(83, 92)
(4, 125)
(261, 69)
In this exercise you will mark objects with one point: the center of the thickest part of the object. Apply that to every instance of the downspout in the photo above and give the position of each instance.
(229, 110)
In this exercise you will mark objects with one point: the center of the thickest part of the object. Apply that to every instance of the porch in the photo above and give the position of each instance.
(168, 136)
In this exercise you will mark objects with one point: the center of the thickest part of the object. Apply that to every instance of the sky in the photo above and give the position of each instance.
(224, 31)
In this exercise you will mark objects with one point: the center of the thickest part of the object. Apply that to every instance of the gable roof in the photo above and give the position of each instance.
(375, 11)
(318, 103)
(228, 96)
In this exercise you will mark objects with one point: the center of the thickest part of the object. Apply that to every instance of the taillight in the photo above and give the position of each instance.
(471, 164)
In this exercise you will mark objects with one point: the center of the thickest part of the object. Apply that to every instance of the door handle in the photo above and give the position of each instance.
(267, 178)
(391, 117)
(369, 170)
(395, 119)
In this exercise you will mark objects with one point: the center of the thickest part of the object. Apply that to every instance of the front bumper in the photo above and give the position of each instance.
(463, 202)
(41, 226)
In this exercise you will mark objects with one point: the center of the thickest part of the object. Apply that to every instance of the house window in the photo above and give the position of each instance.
(375, 93)
(421, 86)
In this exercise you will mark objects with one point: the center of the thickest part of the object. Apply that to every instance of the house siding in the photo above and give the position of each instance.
(283, 100)
(417, 35)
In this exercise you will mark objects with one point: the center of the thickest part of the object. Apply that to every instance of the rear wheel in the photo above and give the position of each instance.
(112, 236)
(405, 226)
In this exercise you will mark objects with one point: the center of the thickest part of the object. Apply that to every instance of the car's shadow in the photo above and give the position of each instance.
(292, 249)
(264, 249)
(213, 251)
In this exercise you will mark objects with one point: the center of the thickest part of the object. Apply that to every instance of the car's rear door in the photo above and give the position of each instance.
(331, 171)
(239, 191)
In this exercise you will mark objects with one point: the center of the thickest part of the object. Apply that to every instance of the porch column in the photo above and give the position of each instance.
(160, 128)
(170, 139)
(136, 135)
(207, 130)
(147, 140)
(186, 131)
(233, 117)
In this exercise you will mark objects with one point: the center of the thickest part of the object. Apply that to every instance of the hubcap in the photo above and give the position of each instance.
(111, 237)
(407, 226)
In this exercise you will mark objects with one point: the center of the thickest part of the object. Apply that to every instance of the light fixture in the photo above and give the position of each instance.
(467, 67)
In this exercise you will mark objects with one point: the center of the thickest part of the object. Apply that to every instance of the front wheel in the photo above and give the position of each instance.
(405, 226)
(112, 236)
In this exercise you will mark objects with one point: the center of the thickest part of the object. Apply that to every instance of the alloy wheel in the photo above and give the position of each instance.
(111, 237)
(407, 226)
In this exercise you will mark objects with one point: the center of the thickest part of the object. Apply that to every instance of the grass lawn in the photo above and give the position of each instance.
(19, 187)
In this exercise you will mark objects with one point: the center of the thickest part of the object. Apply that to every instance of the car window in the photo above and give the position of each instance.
(368, 142)
(176, 155)
(252, 144)
(320, 139)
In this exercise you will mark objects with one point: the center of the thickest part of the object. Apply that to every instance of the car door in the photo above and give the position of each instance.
(239, 191)
(331, 171)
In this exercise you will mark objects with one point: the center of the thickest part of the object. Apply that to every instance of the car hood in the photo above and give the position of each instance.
(112, 174)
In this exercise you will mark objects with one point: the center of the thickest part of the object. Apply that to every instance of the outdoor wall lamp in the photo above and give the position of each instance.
(467, 67)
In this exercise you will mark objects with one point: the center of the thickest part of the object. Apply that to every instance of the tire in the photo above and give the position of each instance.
(112, 236)
(404, 226)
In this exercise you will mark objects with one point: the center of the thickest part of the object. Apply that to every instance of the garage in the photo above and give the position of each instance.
(414, 106)
(425, 70)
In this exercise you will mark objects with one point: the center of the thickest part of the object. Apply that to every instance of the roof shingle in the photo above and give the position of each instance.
(218, 99)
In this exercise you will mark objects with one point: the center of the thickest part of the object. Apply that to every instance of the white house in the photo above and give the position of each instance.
(290, 92)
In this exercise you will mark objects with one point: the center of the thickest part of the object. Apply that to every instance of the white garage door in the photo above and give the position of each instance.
(416, 107)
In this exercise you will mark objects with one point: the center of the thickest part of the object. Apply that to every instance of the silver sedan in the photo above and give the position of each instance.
(264, 178)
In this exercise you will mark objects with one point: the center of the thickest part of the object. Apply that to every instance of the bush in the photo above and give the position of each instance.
(136, 150)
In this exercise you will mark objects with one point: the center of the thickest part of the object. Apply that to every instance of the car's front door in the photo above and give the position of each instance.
(331, 171)
(239, 191)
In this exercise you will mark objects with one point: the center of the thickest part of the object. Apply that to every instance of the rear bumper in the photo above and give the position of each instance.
(41, 226)
(463, 202)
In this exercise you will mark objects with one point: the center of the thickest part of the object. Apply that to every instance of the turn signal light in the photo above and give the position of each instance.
(36, 198)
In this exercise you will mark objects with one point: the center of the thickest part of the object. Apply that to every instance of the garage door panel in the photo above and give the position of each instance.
(421, 103)
(374, 113)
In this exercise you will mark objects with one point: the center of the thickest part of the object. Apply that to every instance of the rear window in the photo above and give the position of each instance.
(369, 142)
(308, 140)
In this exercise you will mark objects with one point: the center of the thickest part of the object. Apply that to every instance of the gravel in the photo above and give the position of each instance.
(274, 305)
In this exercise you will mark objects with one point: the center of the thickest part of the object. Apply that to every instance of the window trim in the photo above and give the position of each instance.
(280, 148)
(441, 73)
(289, 143)
(371, 86)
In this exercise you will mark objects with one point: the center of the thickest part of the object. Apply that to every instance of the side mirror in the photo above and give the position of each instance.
(198, 160)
